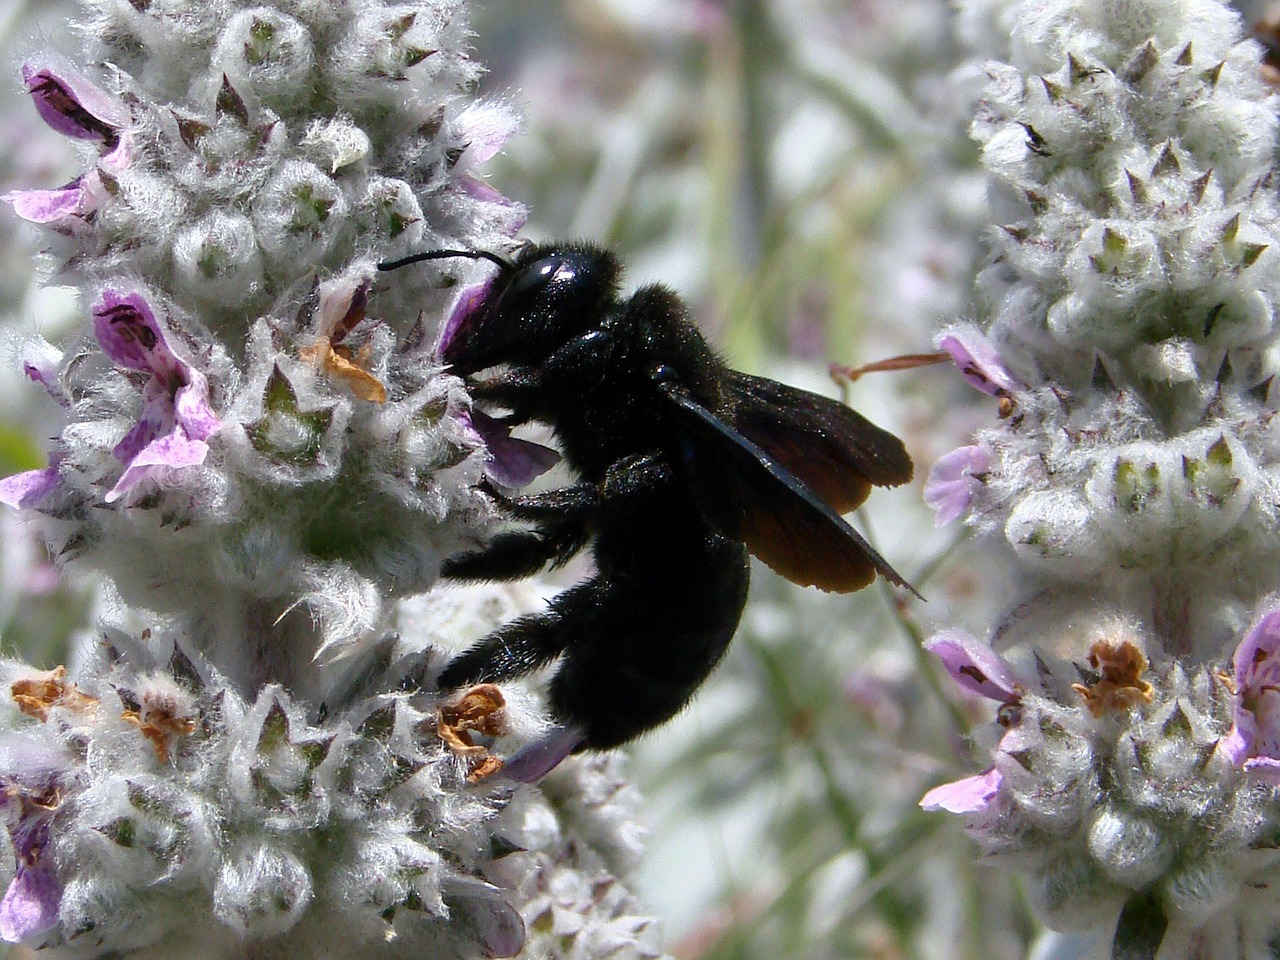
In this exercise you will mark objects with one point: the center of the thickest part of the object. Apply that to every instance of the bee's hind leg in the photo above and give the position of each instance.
(515, 649)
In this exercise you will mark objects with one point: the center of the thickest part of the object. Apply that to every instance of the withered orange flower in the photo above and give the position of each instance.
(160, 724)
(36, 696)
(339, 363)
(1120, 685)
(484, 768)
(480, 710)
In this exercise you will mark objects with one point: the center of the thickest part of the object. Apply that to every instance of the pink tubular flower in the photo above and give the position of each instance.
(1254, 740)
(483, 128)
(977, 360)
(24, 490)
(73, 106)
(40, 362)
(979, 669)
(29, 796)
(176, 418)
(975, 666)
(970, 795)
(30, 905)
(954, 481)
(54, 207)
(67, 209)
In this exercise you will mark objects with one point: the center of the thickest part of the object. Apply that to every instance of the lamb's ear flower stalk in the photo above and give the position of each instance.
(1130, 348)
(265, 457)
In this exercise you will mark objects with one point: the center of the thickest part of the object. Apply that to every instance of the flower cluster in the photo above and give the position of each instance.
(1129, 352)
(264, 454)
(159, 810)
(225, 233)
(1118, 794)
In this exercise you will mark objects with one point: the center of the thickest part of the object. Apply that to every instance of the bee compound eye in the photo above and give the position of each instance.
(532, 279)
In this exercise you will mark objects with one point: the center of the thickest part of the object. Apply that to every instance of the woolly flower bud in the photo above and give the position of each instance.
(217, 259)
(1115, 796)
(293, 435)
(268, 52)
(159, 810)
(1131, 298)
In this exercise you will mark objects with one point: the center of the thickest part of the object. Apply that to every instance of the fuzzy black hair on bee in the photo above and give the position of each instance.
(684, 467)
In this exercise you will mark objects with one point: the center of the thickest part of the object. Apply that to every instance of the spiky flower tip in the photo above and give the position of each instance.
(264, 454)
(1129, 348)
(154, 809)
(251, 403)
(1134, 799)
(1131, 301)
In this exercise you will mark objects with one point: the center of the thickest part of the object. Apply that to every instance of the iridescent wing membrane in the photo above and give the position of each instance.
(794, 460)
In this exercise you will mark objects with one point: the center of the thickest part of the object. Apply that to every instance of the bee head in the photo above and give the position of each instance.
(548, 296)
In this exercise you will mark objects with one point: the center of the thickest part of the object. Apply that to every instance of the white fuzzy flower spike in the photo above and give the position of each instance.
(265, 456)
(1130, 345)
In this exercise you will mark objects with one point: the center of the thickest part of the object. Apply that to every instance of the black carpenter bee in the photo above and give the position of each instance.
(685, 466)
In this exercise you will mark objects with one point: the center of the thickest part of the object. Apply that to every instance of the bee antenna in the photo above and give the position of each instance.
(502, 263)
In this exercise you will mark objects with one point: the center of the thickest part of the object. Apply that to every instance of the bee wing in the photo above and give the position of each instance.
(781, 519)
(835, 451)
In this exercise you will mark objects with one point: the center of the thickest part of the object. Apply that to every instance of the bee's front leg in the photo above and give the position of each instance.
(518, 553)
(518, 389)
(629, 480)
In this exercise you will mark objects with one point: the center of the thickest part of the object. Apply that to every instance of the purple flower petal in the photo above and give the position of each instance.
(500, 928)
(1255, 733)
(484, 128)
(977, 360)
(1266, 769)
(57, 207)
(469, 303)
(127, 329)
(970, 795)
(535, 760)
(1235, 746)
(30, 905)
(72, 105)
(512, 462)
(116, 161)
(975, 666)
(171, 451)
(1256, 660)
(40, 362)
(479, 190)
(342, 308)
(954, 481)
(192, 410)
(176, 417)
(25, 490)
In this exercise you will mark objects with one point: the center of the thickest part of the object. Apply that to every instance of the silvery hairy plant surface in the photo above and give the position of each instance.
(1129, 476)
(261, 455)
